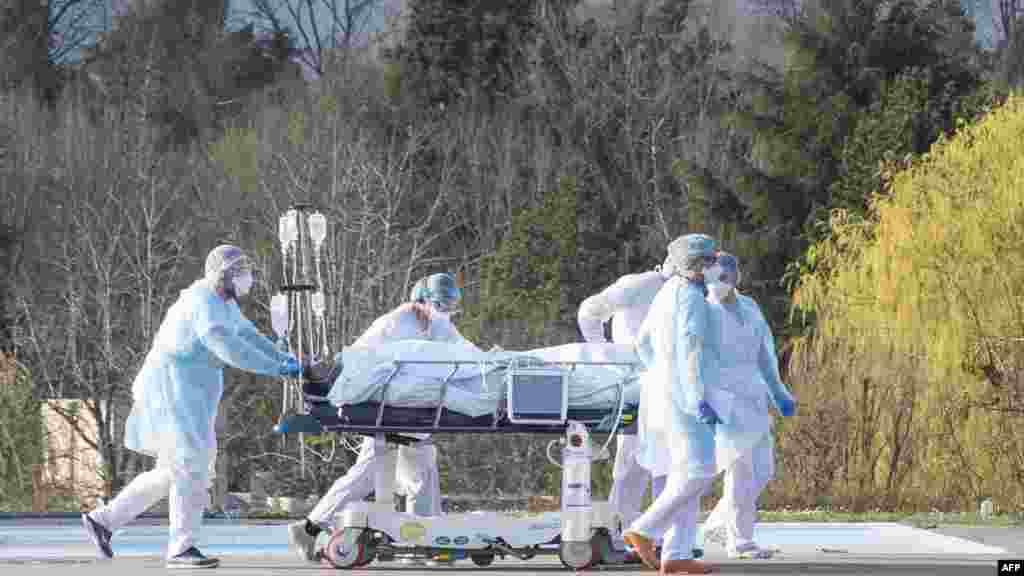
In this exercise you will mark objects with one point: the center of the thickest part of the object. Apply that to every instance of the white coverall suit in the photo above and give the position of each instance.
(626, 303)
(748, 369)
(421, 484)
(679, 342)
(175, 401)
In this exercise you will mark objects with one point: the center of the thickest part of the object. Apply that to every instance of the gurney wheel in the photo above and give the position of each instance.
(579, 555)
(482, 559)
(603, 541)
(348, 548)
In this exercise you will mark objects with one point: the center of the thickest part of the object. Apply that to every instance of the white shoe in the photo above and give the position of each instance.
(715, 535)
(752, 552)
(303, 544)
(411, 561)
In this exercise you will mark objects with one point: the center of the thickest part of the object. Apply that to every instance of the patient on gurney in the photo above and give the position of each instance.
(427, 316)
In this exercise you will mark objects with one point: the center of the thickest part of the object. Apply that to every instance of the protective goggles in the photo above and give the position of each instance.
(446, 299)
(727, 269)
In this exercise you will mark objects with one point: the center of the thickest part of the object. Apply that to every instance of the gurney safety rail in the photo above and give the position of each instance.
(382, 389)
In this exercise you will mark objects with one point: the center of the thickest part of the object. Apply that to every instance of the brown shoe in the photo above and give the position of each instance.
(643, 548)
(691, 566)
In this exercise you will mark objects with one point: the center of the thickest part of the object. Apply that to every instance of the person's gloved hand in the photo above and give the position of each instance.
(706, 414)
(291, 367)
(786, 405)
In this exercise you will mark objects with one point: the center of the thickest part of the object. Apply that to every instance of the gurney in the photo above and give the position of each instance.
(399, 393)
(430, 387)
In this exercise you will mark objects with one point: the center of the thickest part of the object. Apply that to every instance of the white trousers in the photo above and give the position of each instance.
(673, 516)
(187, 493)
(358, 483)
(736, 511)
(629, 481)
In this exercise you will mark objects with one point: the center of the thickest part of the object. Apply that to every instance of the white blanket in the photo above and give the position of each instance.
(477, 387)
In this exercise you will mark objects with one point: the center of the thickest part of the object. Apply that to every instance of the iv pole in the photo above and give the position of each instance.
(297, 311)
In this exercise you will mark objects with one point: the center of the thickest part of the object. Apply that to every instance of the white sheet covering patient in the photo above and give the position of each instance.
(426, 317)
(476, 387)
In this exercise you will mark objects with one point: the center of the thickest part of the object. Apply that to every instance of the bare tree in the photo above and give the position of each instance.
(1010, 22)
(322, 27)
(24, 40)
(1007, 19)
(111, 260)
(74, 24)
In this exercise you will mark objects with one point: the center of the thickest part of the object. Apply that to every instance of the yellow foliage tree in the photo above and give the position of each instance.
(919, 323)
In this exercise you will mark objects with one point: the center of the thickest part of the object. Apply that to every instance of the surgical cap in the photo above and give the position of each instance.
(225, 261)
(689, 253)
(730, 267)
(436, 288)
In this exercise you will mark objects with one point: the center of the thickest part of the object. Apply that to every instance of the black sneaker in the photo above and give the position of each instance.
(99, 535)
(192, 558)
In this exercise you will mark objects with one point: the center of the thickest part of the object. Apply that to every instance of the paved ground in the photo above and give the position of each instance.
(278, 565)
(1009, 539)
(49, 547)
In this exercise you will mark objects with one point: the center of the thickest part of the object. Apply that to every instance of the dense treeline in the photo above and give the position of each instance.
(544, 150)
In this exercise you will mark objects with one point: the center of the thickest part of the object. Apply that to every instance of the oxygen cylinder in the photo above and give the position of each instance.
(576, 498)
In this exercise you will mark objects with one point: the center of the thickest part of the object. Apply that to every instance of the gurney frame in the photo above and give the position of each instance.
(581, 534)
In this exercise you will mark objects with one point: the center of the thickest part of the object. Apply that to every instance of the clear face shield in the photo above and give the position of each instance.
(243, 281)
(722, 278)
(705, 265)
(448, 302)
(690, 254)
(233, 273)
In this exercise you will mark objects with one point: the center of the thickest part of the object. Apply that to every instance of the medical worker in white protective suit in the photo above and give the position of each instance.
(426, 317)
(750, 370)
(626, 303)
(175, 400)
(678, 343)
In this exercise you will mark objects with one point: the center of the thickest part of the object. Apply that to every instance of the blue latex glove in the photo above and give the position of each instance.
(291, 367)
(786, 405)
(706, 414)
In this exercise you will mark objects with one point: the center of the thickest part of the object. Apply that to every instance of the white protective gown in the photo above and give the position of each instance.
(175, 401)
(749, 370)
(416, 473)
(626, 303)
(678, 343)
